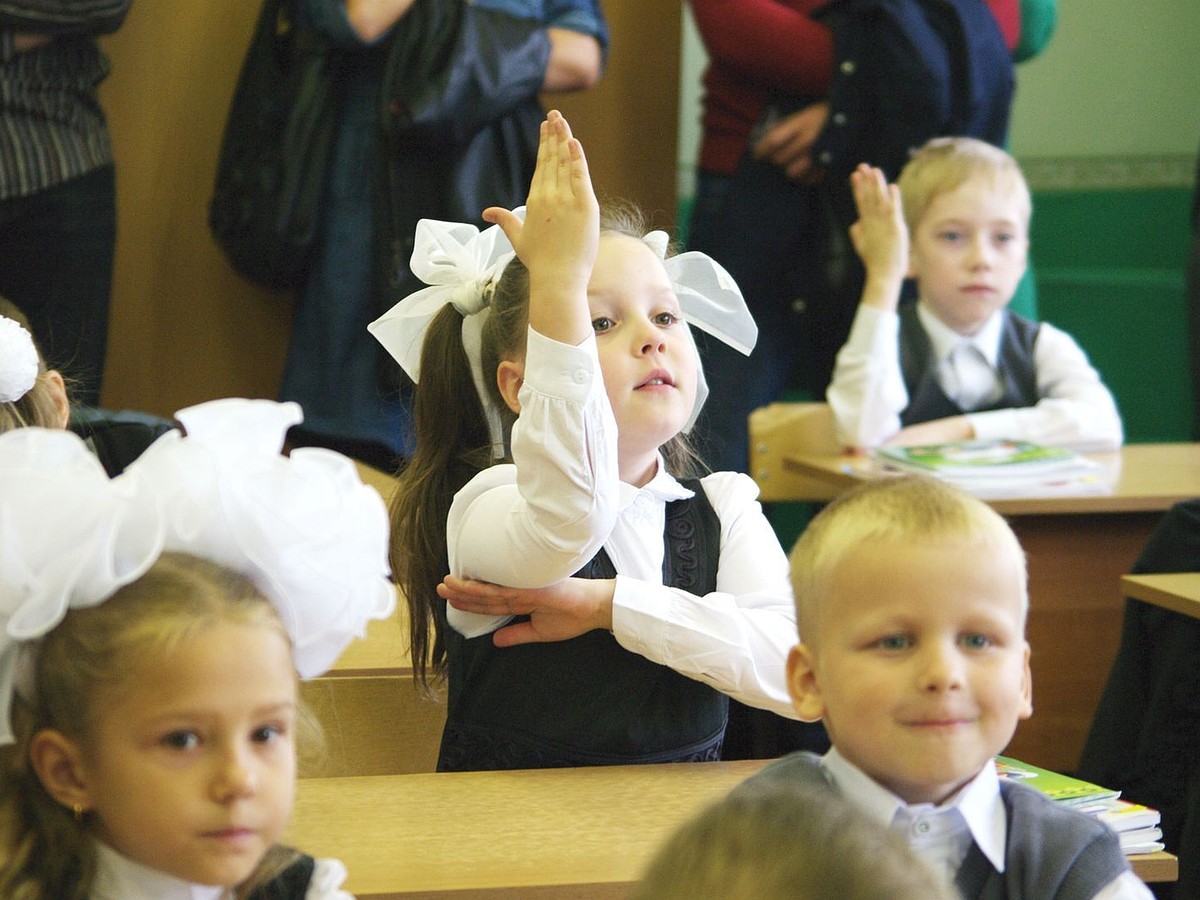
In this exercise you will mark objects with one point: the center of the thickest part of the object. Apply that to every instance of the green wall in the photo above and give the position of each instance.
(1109, 267)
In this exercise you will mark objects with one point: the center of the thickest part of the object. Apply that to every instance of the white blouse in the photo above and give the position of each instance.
(120, 878)
(867, 393)
(538, 521)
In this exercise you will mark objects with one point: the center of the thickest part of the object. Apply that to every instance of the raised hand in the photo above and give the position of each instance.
(558, 240)
(880, 236)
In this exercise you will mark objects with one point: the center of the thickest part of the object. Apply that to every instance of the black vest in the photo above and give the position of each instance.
(926, 399)
(588, 701)
(1052, 852)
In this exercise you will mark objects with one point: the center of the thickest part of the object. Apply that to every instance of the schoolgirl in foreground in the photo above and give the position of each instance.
(153, 628)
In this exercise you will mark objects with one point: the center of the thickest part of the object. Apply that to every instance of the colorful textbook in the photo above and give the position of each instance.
(1136, 825)
(1000, 468)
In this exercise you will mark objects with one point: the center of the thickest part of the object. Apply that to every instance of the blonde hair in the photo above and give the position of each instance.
(452, 443)
(784, 841)
(914, 509)
(46, 853)
(944, 164)
(37, 407)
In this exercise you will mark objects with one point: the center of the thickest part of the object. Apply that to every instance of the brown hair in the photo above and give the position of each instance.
(452, 443)
(47, 854)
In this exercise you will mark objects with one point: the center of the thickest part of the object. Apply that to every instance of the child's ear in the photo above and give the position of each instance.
(58, 393)
(58, 762)
(1027, 687)
(802, 684)
(509, 378)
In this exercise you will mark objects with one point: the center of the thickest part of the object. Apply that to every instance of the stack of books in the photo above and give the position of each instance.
(1001, 468)
(1136, 825)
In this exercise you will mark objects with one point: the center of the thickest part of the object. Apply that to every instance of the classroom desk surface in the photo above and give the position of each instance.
(1077, 548)
(551, 833)
(1176, 591)
(1141, 477)
(531, 833)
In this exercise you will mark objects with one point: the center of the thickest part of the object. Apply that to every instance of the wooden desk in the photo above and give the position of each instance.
(1176, 591)
(374, 719)
(1077, 548)
(551, 833)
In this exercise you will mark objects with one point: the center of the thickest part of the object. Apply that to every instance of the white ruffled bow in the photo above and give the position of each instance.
(18, 361)
(304, 528)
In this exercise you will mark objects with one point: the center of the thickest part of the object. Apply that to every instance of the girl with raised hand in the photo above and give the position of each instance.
(552, 393)
(153, 628)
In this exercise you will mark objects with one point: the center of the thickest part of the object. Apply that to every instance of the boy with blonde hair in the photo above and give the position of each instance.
(957, 364)
(911, 599)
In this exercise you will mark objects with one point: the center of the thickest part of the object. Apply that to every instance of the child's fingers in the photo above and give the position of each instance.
(509, 223)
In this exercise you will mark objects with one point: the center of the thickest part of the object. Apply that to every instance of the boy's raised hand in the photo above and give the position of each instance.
(880, 236)
(557, 241)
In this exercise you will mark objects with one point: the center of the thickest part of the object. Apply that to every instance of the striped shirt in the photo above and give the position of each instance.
(52, 128)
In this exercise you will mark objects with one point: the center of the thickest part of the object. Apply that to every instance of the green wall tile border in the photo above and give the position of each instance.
(1108, 172)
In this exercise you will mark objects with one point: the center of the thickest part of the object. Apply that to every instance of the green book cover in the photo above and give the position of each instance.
(1054, 785)
(991, 458)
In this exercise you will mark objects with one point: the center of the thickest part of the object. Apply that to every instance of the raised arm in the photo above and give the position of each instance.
(867, 391)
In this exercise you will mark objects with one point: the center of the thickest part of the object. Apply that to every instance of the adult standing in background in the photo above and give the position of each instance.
(335, 369)
(57, 184)
(762, 208)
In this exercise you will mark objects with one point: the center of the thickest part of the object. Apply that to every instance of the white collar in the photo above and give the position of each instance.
(663, 487)
(979, 802)
(944, 338)
(120, 878)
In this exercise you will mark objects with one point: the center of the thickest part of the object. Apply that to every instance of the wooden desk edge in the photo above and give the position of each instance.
(1155, 867)
(1153, 589)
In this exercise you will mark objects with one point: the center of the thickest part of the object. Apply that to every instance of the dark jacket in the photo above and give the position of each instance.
(460, 123)
(909, 70)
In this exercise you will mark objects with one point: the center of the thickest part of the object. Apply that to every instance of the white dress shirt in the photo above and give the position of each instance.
(539, 520)
(867, 393)
(120, 878)
(942, 835)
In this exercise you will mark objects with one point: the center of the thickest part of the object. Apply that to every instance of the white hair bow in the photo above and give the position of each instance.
(18, 361)
(710, 300)
(303, 528)
(458, 262)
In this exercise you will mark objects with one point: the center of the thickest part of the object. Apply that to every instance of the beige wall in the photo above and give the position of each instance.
(184, 327)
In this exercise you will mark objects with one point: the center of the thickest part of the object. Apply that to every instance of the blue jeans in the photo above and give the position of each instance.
(56, 264)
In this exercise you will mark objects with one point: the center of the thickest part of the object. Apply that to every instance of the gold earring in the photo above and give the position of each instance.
(78, 810)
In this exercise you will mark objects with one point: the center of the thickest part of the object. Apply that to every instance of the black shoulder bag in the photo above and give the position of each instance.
(275, 150)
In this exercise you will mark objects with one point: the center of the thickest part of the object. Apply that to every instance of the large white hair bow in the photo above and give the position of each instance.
(18, 361)
(303, 528)
(458, 262)
(69, 537)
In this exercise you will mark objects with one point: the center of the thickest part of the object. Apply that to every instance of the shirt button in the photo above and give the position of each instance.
(921, 827)
(580, 376)
(826, 157)
(848, 66)
(839, 118)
